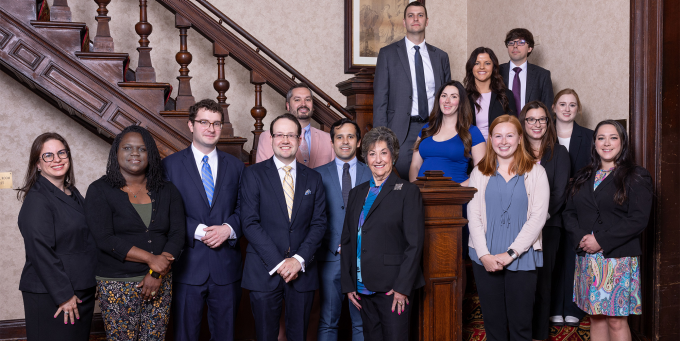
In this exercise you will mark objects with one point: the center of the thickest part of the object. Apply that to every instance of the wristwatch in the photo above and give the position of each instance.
(154, 274)
(512, 253)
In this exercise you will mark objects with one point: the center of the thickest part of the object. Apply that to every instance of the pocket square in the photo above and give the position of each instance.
(397, 187)
(308, 192)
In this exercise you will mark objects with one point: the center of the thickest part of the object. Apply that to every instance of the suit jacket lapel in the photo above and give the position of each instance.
(359, 203)
(332, 169)
(387, 188)
(63, 196)
(602, 184)
(531, 80)
(315, 139)
(190, 165)
(275, 182)
(575, 141)
(362, 171)
(221, 174)
(403, 56)
(591, 191)
(300, 189)
(505, 72)
(436, 66)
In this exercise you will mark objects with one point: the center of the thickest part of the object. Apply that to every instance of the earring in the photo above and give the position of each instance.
(39, 170)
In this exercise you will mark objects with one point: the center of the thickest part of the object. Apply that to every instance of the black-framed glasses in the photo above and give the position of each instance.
(532, 121)
(280, 136)
(520, 42)
(49, 157)
(205, 124)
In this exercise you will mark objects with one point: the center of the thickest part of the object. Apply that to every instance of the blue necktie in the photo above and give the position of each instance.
(420, 86)
(208, 183)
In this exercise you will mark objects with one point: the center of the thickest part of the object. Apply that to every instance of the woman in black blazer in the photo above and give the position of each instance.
(138, 222)
(578, 141)
(382, 242)
(58, 277)
(608, 208)
(487, 94)
(540, 141)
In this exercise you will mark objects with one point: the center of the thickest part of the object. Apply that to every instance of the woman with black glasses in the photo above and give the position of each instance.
(57, 282)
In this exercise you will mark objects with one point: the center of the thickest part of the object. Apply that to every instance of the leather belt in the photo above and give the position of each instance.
(417, 119)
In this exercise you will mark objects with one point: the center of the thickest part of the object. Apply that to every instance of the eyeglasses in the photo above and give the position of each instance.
(520, 42)
(49, 157)
(532, 121)
(205, 124)
(280, 136)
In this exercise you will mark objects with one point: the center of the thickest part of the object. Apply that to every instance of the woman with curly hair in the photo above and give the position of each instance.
(138, 223)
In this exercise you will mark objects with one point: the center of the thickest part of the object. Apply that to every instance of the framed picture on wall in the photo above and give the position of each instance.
(369, 26)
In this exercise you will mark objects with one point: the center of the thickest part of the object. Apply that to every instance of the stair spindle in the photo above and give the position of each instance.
(258, 112)
(145, 71)
(60, 11)
(221, 85)
(103, 42)
(184, 98)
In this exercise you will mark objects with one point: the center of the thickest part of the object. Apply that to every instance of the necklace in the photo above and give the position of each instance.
(129, 191)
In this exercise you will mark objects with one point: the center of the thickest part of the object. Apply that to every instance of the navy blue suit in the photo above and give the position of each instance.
(272, 238)
(201, 274)
(329, 258)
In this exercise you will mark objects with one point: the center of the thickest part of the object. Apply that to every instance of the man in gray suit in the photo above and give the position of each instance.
(407, 75)
(528, 82)
(339, 177)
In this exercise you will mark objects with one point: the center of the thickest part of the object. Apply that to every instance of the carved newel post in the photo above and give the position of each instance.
(441, 300)
(359, 92)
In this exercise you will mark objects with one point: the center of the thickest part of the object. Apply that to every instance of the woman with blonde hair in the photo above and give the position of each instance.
(506, 216)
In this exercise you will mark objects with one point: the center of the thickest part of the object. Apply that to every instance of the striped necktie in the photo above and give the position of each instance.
(208, 183)
(289, 190)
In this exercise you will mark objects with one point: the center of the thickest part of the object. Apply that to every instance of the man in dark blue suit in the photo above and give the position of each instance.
(283, 216)
(209, 268)
(339, 177)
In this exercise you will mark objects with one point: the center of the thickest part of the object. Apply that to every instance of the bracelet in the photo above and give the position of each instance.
(512, 254)
(154, 274)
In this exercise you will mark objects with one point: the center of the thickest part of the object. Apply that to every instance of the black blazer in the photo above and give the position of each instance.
(539, 83)
(391, 239)
(495, 107)
(617, 228)
(579, 147)
(117, 227)
(60, 252)
(557, 168)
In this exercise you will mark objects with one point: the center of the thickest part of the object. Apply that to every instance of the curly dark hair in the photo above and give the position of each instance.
(154, 170)
(497, 84)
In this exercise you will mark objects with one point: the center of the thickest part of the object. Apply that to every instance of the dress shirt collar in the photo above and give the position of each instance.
(523, 67)
(341, 163)
(198, 155)
(307, 129)
(279, 164)
(410, 45)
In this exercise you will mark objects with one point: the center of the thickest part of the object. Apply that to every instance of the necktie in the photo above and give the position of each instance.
(288, 190)
(304, 148)
(423, 111)
(517, 90)
(208, 183)
(346, 183)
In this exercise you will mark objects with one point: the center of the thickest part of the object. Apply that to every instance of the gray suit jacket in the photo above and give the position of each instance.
(335, 207)
(539, 84)
(392, 85)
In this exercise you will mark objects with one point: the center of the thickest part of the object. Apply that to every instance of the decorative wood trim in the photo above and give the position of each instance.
(27, 55)
(84, 94)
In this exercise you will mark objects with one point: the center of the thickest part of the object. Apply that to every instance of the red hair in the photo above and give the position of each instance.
(522, 162)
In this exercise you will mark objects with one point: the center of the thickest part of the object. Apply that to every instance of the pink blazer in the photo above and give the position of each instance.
(321, 154)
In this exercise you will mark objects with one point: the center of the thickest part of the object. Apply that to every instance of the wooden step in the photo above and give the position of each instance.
(63, 34)
(177, 119)
(109, 65)
(150, 95)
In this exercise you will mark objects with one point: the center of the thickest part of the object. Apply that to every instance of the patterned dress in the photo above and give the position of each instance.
(607, 286)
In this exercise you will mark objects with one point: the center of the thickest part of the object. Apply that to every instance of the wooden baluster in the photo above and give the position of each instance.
(60, 11)
(258, 112)
(184, 98)
(145, 71)
(103, 41)
(221, 85)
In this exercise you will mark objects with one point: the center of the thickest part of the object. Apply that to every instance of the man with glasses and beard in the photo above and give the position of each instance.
(314, 149)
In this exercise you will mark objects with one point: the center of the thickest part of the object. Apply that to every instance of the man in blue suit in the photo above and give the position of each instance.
(283, 216)
(209, 268)
(339, 177)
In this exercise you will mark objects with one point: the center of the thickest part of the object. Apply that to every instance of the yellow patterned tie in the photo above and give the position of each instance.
(289, 190)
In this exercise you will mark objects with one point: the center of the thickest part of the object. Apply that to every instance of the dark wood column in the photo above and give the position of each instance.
(359, 92)
(440, 302)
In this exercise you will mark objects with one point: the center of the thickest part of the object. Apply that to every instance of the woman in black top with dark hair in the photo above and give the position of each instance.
(138, 222)
(58, 277)
(489, 98)
(608, 208)
(540, 141)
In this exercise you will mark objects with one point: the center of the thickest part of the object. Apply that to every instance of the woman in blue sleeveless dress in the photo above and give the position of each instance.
(448, 141)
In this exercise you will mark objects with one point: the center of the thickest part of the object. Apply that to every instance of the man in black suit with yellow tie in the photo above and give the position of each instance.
(407, 75)
(283, 216)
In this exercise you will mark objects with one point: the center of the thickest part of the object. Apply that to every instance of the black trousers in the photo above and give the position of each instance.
(267, 307)
(551, 243)
(379, 322)
(507, 300)
(42, 325)
(562, 302)
(406, 149)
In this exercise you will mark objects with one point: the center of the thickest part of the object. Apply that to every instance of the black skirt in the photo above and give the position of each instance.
(42, 325)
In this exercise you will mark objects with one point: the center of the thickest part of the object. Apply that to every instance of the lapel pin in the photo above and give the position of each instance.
(397, 187)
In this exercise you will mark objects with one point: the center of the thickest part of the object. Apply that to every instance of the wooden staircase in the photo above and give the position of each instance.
(44, 50)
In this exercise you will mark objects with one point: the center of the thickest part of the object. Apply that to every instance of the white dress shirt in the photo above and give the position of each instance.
(564, 141)
(522, 80)
(282, 174)
(429, 75)
(212, 162)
